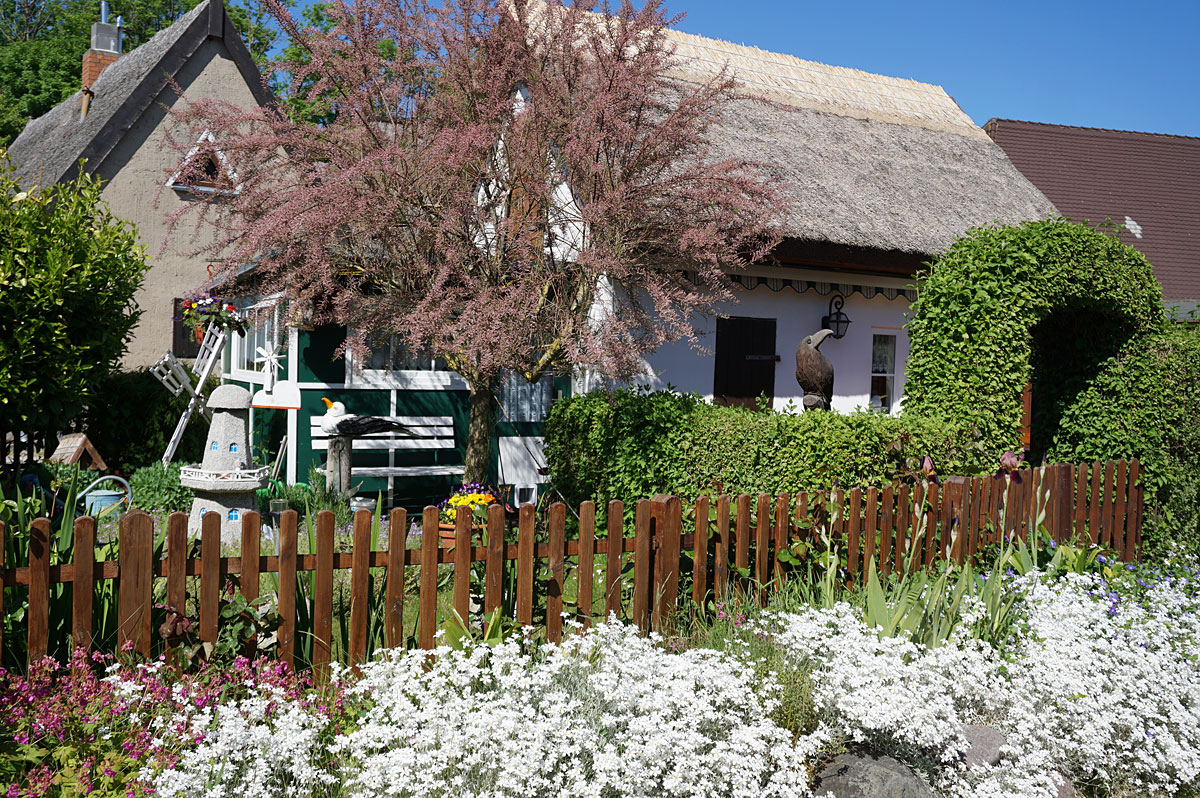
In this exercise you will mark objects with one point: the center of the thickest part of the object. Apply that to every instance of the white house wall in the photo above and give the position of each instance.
(797, 315)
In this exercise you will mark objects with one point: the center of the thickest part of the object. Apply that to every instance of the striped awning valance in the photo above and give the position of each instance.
(750, 282)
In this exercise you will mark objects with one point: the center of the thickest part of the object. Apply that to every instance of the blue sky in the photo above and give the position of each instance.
(1121, 65)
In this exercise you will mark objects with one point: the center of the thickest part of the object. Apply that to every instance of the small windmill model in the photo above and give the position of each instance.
(171, 373)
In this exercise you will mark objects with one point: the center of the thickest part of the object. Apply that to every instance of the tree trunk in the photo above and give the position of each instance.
(480, 428)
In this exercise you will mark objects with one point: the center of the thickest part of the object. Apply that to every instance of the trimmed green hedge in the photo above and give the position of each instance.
(631, 444)
(1145, 403)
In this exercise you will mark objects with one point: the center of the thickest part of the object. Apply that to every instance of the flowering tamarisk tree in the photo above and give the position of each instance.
(505, 184)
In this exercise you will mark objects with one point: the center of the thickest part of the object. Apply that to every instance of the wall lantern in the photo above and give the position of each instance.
(836, 321)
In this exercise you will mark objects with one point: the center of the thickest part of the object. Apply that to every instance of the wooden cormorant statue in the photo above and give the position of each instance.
(814, 372)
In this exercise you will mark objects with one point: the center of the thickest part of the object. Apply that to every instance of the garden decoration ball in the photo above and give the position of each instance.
(226, 481)
(814, 372)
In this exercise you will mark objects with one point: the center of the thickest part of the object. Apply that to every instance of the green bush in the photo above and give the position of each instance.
(631, 444)
(1145, 402)
(131, 418)
(69, 270)
(156, 487)
(1043, 302)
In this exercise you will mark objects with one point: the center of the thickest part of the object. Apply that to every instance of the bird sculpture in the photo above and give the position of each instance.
(337, 421)
(814, 372)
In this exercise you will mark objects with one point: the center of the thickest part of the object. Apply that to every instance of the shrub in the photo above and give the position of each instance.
(1043, 301)
(631, 444)
(1144, 403)
(156, 487)
(69, 271)
(131, 417)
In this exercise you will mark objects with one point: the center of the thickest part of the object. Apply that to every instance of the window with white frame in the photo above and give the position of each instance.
(883, 373)
(521, 400)
(246, 351)
(392, 365)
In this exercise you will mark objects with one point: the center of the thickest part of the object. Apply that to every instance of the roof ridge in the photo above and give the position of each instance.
(996, 119)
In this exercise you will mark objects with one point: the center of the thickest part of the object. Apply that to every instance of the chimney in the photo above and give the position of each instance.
(105, 49)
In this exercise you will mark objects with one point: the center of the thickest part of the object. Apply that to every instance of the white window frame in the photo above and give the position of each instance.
(237, 345)
(403, 379)
(206, 138)
(893, 400)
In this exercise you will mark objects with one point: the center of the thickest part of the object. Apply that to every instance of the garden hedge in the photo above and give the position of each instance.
(1145, 403)
(1045, 302)
(630, 444)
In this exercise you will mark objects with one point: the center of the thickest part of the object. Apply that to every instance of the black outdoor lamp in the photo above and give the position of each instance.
(836, 321)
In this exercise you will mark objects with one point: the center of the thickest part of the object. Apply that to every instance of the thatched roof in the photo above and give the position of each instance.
(50, 147)
(865, 160)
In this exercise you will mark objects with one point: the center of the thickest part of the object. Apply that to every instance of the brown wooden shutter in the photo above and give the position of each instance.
(745, 361)
(183, 340)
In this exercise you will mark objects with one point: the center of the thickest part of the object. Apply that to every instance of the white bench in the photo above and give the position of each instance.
(428, 433)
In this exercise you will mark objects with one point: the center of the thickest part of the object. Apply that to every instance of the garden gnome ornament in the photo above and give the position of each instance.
(814, 372)
(225, 482)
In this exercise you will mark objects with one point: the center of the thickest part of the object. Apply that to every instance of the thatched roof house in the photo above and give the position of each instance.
(869, 162)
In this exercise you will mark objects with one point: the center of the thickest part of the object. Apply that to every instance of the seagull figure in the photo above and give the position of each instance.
(337, 421)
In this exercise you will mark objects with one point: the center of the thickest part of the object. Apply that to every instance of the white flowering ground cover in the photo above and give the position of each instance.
(1099, 683)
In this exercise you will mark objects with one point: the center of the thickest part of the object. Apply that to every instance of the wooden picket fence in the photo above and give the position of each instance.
(734, 543)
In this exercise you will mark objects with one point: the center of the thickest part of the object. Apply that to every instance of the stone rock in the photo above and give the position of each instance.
(983, 745)
(863, 776)
(1065, 788)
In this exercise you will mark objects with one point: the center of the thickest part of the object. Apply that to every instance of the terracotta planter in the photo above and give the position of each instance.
(446, 532)
(198, 332)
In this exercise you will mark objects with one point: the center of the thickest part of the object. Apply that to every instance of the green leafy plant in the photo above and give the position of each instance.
(631, 444)
(69, 270)
(495, 629)
(243, 627)
(157, 487)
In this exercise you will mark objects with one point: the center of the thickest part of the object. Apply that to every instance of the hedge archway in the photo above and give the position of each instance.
(1045, 302)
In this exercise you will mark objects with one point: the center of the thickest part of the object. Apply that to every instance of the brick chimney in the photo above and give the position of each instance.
(105, 49)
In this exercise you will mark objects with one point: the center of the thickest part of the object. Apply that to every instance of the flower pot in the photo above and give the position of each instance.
(446, 532)
(198, 332)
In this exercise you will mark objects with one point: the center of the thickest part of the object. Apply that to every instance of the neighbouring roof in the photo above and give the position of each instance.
(1148, 184)
(865, 160)
(50, 147)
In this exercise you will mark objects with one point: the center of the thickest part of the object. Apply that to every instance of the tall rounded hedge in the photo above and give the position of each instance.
(1046, 301)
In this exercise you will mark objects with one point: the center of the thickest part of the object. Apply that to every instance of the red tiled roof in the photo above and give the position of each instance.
(1095, 174)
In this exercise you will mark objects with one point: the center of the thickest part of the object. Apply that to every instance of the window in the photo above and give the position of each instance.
(183, 338)
(394, 356)
(234, 515)
(233, 448)
(521, 400)
(207, 169)
(246, 359)
(214, 446)
(883, 373)
(391, 365)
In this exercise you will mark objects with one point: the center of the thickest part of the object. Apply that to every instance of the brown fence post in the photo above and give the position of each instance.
(286, 634)
(322, 647)
(700, 554)
(462, 563)
(177, 568)
(782, 502)
(251, 548)
(135, 542)
(932, 530)
(870, 527)
(1119, 511)
(554, 591)
(642, 566)
(494, 570)
(667, 560)
(741, 542)
(360, 587)
(83, 584)
(427, 601)
(612, 566)
(887, 529)
(394, 606)
(210, 575)
(762, 546)
(525, 564)
(585, 569)
(38, 614)
(1137, 506)
(853, 529)
(721, 552)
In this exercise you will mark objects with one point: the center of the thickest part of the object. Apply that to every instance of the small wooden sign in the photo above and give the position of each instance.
(76, 448)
